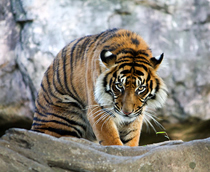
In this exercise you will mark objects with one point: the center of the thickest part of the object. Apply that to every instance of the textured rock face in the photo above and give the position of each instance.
(17, 92)
(23, 150)
(32, 33)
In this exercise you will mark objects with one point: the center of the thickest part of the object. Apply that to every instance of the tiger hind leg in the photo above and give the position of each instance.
(60, 122)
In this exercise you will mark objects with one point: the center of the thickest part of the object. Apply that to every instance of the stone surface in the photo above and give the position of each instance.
(22, 150)
(32, 33)
(17, 93)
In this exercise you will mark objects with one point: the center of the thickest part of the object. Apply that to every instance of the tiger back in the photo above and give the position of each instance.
(98, 88)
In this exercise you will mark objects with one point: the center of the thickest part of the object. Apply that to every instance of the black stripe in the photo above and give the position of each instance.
(57, 122)
(125, 64)
(139, 73)
(58, 71)
(124, 134)
(122, 61)
(128, 33)
(68, 120)
(104, 82)
(140, 65)
(123, 58)
(67, 103)
(72, 61)
(142, 58)
(140, 61)
(148, 78)
(151, 85)
(37, 130)
(83, 47)
(65, 77)
(64, 69)
(41, 114)
(126, 140)
(143, 52)
(75, 56)
(115, 74)
(39, 104)
(135, 41)
(49, 87)
(138, 108)
(42, 86)
(118, 78)
(158, 85)
(110, 82)
(105, 78)
(127, 51)
(133, 52)
(133, 65)
(61, 131)
(141, 100)
(36, 124)
(153, 97)
(45, 91)
(47, 99)
(107, 35)
(109, 48)
(124, 72)
(56, 75)
(102, 34)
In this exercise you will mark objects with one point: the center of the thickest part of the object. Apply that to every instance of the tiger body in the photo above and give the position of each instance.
(98, 87)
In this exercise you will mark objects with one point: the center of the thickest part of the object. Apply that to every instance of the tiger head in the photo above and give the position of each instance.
(129, 81)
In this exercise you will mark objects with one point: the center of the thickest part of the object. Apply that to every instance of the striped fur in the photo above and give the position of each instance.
(98, 87)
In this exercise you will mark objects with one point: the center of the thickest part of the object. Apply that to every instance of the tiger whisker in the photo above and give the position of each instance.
(98, 111)
(102, 117)
(156, 122)
(106, 121)
(101, 112)
(148, 128)
(92, 110)
(154, 118)
(146, 120)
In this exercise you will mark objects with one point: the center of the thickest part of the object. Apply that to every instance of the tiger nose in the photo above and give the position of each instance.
(126, 113)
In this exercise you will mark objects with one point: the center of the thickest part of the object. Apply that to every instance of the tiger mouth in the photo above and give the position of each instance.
(133, 114)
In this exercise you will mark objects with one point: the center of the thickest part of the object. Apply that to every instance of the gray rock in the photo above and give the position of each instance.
(23, 150)
(17, 93)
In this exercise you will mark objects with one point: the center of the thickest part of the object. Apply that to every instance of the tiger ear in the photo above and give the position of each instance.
(107, 58)
(156, 61)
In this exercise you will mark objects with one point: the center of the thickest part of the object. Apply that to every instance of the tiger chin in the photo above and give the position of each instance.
(98, 88)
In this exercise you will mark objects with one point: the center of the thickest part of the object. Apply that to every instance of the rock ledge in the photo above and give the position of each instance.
(23, 150)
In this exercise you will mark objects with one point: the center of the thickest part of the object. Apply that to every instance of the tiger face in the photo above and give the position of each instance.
(129, 85)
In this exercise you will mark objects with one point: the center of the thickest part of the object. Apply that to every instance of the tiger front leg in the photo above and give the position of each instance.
(104, 127)
(130, 134)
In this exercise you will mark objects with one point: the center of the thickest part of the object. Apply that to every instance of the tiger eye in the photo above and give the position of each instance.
(120, 85)
(141, 89)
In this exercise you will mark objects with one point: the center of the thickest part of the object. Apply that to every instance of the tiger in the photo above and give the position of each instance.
(98, 88)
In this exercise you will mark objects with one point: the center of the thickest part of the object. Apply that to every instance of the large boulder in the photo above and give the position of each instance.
(23, 150)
